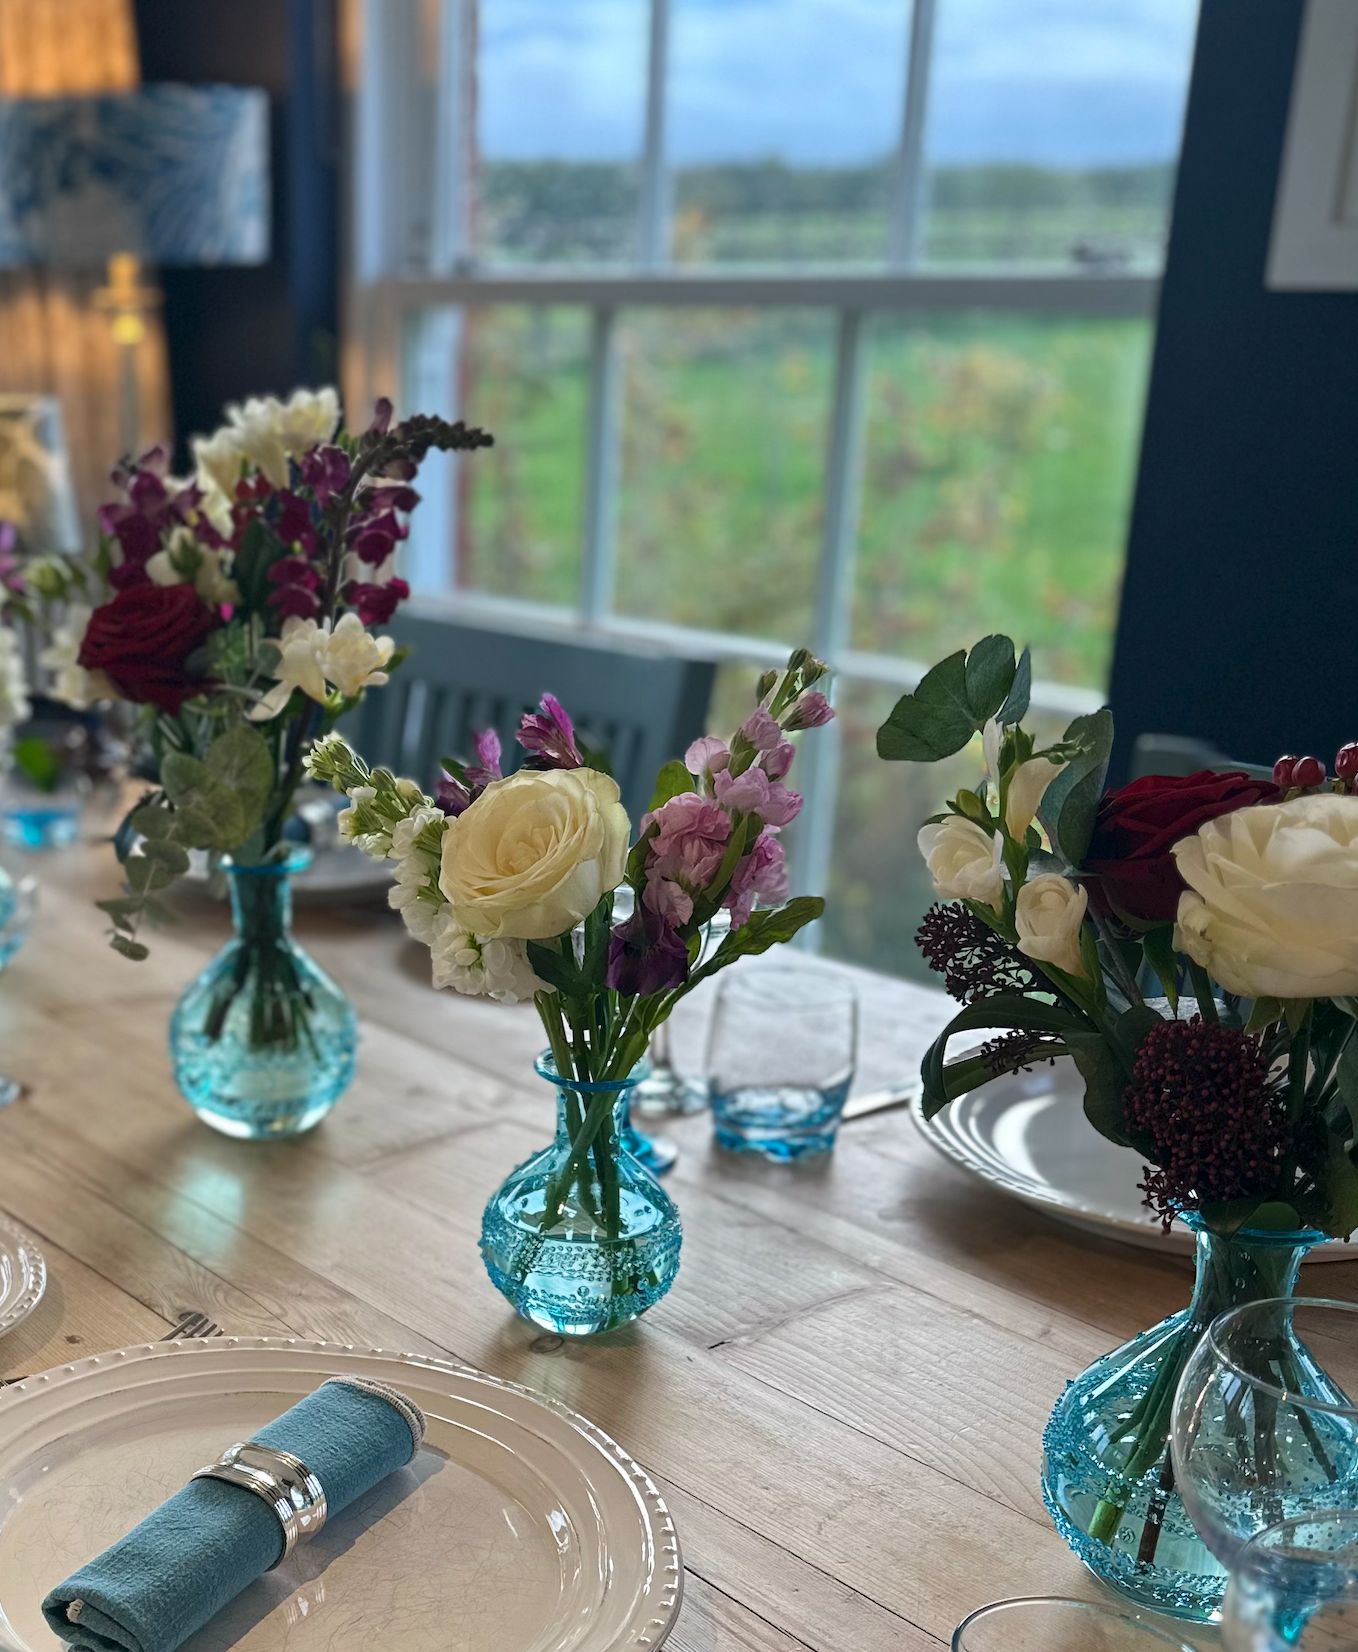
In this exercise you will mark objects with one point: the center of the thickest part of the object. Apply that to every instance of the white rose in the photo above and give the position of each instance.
(1271, 909)
(963, 860)
(535, 852)
(1027, 785)
(71, 683)
(1049, 915)
(351, 659)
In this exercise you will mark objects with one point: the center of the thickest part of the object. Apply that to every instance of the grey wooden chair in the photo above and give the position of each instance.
(640, 709)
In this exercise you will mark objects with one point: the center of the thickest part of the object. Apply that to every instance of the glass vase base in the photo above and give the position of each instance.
(265, 1127)
(578, 1287)
(665, 1094)
(10, 1090)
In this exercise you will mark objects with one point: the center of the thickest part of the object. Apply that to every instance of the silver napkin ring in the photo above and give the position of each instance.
(285, 1483)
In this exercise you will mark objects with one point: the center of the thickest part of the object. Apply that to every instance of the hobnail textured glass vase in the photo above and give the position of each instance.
(1107, 1477)
(263, 1040)
(582, 1241)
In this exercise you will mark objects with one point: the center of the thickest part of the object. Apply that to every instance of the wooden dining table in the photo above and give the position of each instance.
(842, 1397)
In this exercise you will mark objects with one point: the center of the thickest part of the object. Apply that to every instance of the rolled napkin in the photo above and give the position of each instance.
(153, 1588)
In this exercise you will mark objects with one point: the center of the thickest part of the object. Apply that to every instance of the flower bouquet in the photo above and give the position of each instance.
(237, 618)
(514, 882)
(1192, 945)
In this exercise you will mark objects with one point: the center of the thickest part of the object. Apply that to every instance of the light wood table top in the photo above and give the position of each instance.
(843, 1396)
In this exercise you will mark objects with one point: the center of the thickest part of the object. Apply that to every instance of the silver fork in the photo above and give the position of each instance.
(191, 1324)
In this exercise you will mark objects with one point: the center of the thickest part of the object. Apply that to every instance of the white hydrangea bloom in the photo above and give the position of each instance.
(14, 706)
(71, 683)
(497, 969)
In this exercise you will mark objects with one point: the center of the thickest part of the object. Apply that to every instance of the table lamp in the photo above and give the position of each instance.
(165, 174)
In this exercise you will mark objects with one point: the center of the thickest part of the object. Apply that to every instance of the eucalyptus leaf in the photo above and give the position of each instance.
(241, 759)
(1341, 1188)
(933, 722)
(1070, 804)
(128, 947)
(989, 676)
(1015, 707)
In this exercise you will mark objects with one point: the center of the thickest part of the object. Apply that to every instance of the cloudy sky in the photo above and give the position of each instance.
(1072, 82)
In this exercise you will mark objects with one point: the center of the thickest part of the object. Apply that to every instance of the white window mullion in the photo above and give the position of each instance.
(908, 192)
(454, 139)
(819, 759)
(654, 239)
(602, 446)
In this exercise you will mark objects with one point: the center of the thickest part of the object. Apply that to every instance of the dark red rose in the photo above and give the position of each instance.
(141, 640)
(1130, 868)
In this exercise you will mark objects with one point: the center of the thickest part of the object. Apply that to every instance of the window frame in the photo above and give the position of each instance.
(413, 259)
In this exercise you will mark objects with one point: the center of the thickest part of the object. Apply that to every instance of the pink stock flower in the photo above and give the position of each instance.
(666, 896)
(685, 854)
(760, 876)
(761, 729)
(706, 754)
(548, 736)
(754, 793)
(778, 761)
(812, 710)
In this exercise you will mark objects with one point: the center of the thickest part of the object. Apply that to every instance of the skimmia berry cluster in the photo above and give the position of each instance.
(973, 960)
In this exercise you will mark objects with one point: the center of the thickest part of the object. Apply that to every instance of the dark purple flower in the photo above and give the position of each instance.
(382, 412)
(374, 546)
(451, 795)
(645, 956)
(402, 470)
(376, 603)
(325, 470)
(398, 498)
(487, 767)
(293, 524)
(11, 567)
(812, 710)
(548, 735)
(295, 583)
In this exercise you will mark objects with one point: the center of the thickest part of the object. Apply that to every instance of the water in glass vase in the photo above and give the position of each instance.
(1107, 1475)
(580, 1243)
(263, 1041)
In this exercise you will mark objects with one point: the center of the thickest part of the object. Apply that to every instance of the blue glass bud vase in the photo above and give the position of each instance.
(582, 1238)
(263, 1040)
(1107, 1478)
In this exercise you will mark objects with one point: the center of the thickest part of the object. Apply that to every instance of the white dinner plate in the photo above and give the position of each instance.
(519, 1527)
(1027, 1134)
(23, 1275)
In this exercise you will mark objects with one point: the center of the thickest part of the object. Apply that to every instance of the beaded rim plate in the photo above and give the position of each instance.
(1026, 1134)
(23, 1275)
(520, 1525)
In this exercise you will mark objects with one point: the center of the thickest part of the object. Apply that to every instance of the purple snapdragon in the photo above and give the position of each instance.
(548, 736)
(646, 955)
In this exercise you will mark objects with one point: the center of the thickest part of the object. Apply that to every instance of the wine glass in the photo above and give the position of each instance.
(1294, 1588)
(1264, 1429)
(1048, 1624)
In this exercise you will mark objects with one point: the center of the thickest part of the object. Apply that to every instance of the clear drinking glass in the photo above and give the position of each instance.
(1264, 1426)
(780, 1057)
(1294, 1588)
(1047, 1624)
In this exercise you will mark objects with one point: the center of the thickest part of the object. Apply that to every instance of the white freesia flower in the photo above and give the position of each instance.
(1049, 915)
(1271, 909)
(71, 683)
(267, 433)
(963, 860)
(1027, 785)
(351, 659)
(184, 561)
(217, 459)
(481, 969)
(992, 736)
(299, 666)
(535, 852)
(14, 703)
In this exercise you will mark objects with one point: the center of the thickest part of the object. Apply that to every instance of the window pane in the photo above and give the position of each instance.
(526, 380)
(879, 886)
(1053, 128)
(1000, 455)
(723, 456)
(784, 116)
(561, 104)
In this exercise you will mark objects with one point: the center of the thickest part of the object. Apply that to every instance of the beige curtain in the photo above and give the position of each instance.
(52, 339)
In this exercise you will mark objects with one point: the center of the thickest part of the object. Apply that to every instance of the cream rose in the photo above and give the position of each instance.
(1049, 914)
(1271, 909)
(963, 860)
(535, 852)
(1027, 786)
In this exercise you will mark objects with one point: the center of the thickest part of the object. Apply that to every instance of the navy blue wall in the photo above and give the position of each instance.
(239, 332)
(1241, 593)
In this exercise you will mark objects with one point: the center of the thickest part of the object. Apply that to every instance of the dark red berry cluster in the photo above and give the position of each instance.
(1301, 773)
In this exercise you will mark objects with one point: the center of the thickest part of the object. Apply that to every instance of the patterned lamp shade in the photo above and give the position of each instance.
(172, 174)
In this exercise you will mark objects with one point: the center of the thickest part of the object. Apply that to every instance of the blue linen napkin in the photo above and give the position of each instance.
(153, 1588)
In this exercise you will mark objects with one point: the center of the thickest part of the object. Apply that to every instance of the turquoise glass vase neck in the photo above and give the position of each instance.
(261, 901)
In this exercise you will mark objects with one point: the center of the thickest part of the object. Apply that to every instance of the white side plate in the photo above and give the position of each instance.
(1027, 1134)
(518, 1528)
(23, 1275)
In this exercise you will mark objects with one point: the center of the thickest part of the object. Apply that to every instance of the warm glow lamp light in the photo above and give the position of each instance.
(165, 175)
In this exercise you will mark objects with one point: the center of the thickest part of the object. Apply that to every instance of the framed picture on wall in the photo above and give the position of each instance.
(35, 474)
